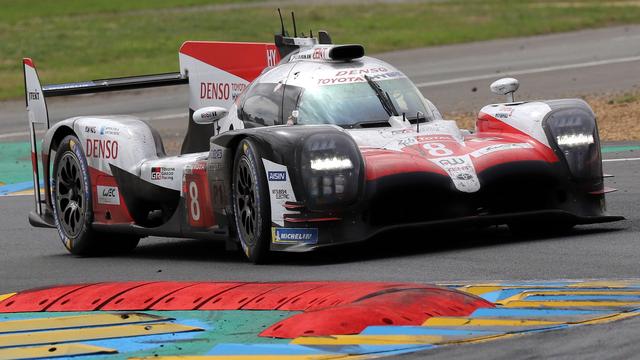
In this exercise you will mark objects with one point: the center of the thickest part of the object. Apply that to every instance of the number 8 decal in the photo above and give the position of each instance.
(437, 149)
(195, 205)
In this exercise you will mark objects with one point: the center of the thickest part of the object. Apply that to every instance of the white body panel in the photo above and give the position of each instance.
(526, 117)
(124, 141)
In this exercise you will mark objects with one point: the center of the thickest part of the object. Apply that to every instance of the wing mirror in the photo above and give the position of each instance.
(209, 114)
(505, 86)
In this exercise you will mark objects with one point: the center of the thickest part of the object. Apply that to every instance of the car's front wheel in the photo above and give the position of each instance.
(251, 206)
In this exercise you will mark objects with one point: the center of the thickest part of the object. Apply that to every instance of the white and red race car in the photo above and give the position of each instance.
(301, 144)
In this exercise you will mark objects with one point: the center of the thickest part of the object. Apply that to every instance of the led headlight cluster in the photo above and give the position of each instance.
(574, 132)
(330, 166)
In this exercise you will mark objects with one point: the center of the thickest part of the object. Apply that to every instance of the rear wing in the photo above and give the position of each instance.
(37, 113)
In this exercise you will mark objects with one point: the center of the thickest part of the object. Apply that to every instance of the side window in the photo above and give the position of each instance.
(262, 105)
(291, 97)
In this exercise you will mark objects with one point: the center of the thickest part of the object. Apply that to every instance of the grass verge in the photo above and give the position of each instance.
(72, 40)
(617, 115)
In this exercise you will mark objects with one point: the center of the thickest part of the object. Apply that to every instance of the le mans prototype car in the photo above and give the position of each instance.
(302, 144)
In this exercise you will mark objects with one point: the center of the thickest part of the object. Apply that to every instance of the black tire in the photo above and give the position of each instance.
(251, 202)
(72, 205)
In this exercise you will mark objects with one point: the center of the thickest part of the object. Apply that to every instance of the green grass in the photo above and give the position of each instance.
(79, 40)
(626, 98)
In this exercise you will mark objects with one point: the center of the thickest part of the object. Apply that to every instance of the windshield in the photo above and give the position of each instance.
(356, 104)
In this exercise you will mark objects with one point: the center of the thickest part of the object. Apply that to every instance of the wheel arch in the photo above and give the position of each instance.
(51, 143)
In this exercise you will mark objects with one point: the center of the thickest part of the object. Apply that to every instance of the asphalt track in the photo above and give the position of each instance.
(550, 66)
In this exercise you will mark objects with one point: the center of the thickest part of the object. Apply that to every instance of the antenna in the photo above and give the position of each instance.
(281, 22)
(310, 33)
(293, 18)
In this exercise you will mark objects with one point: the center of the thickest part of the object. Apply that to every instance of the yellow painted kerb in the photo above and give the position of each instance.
(368, 340)
(525, 294)
(564, 304)
(6, 296)
(57, 350)
(104, 332)
(257, 357)
(463, 321)
(62, 322)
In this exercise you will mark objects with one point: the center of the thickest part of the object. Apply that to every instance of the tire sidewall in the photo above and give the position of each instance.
(80, 243)
(256, 252)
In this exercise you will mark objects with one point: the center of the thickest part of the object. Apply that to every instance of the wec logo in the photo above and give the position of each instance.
(108, 195)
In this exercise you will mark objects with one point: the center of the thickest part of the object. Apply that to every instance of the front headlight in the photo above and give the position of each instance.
(575, 134)
(330, 164)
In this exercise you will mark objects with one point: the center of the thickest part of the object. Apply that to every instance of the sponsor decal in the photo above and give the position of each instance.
(357, 75)
(90, 129)
(407, 142)
(277, 176)
(218, 195)
(215, 153)
(464, 176)
(369, 71)
(301, 57)
(220, 90)
(500, 147)
(34, 95)
(216, 91)
(102, 149)
(108, 195)
(294, 235)
(483, 139)
(280, 189)
(109, 130)
(403, 131)
(429, 138)
(271, 57)
(162, 173)
(461, 171)
(280, 194)
(320, 53)
(216, 166)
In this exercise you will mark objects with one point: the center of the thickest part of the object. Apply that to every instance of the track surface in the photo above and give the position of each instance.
(34, 257)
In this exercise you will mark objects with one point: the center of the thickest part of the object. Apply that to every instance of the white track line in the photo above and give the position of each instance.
(624, 159)
(14, 134)
(529, 71)
(166, 117)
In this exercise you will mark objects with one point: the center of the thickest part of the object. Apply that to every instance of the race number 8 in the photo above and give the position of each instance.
(437, 149)
(195, 205)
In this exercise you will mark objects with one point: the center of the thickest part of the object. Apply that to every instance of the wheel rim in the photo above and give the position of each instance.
(70, 195)
(246, 207)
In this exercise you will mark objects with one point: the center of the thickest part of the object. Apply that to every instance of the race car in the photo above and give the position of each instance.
(302, 144)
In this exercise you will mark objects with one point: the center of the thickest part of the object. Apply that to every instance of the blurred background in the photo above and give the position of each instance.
(459, 48)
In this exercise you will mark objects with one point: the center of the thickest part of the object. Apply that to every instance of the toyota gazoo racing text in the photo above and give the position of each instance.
(301, 144)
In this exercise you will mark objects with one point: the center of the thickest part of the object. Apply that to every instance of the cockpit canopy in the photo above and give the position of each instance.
(335, 93)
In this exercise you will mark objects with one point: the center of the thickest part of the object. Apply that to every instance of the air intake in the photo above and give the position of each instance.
(346, 52)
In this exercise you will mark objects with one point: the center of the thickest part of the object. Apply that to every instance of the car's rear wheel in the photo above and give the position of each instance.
(72, 205)
(251, 205)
